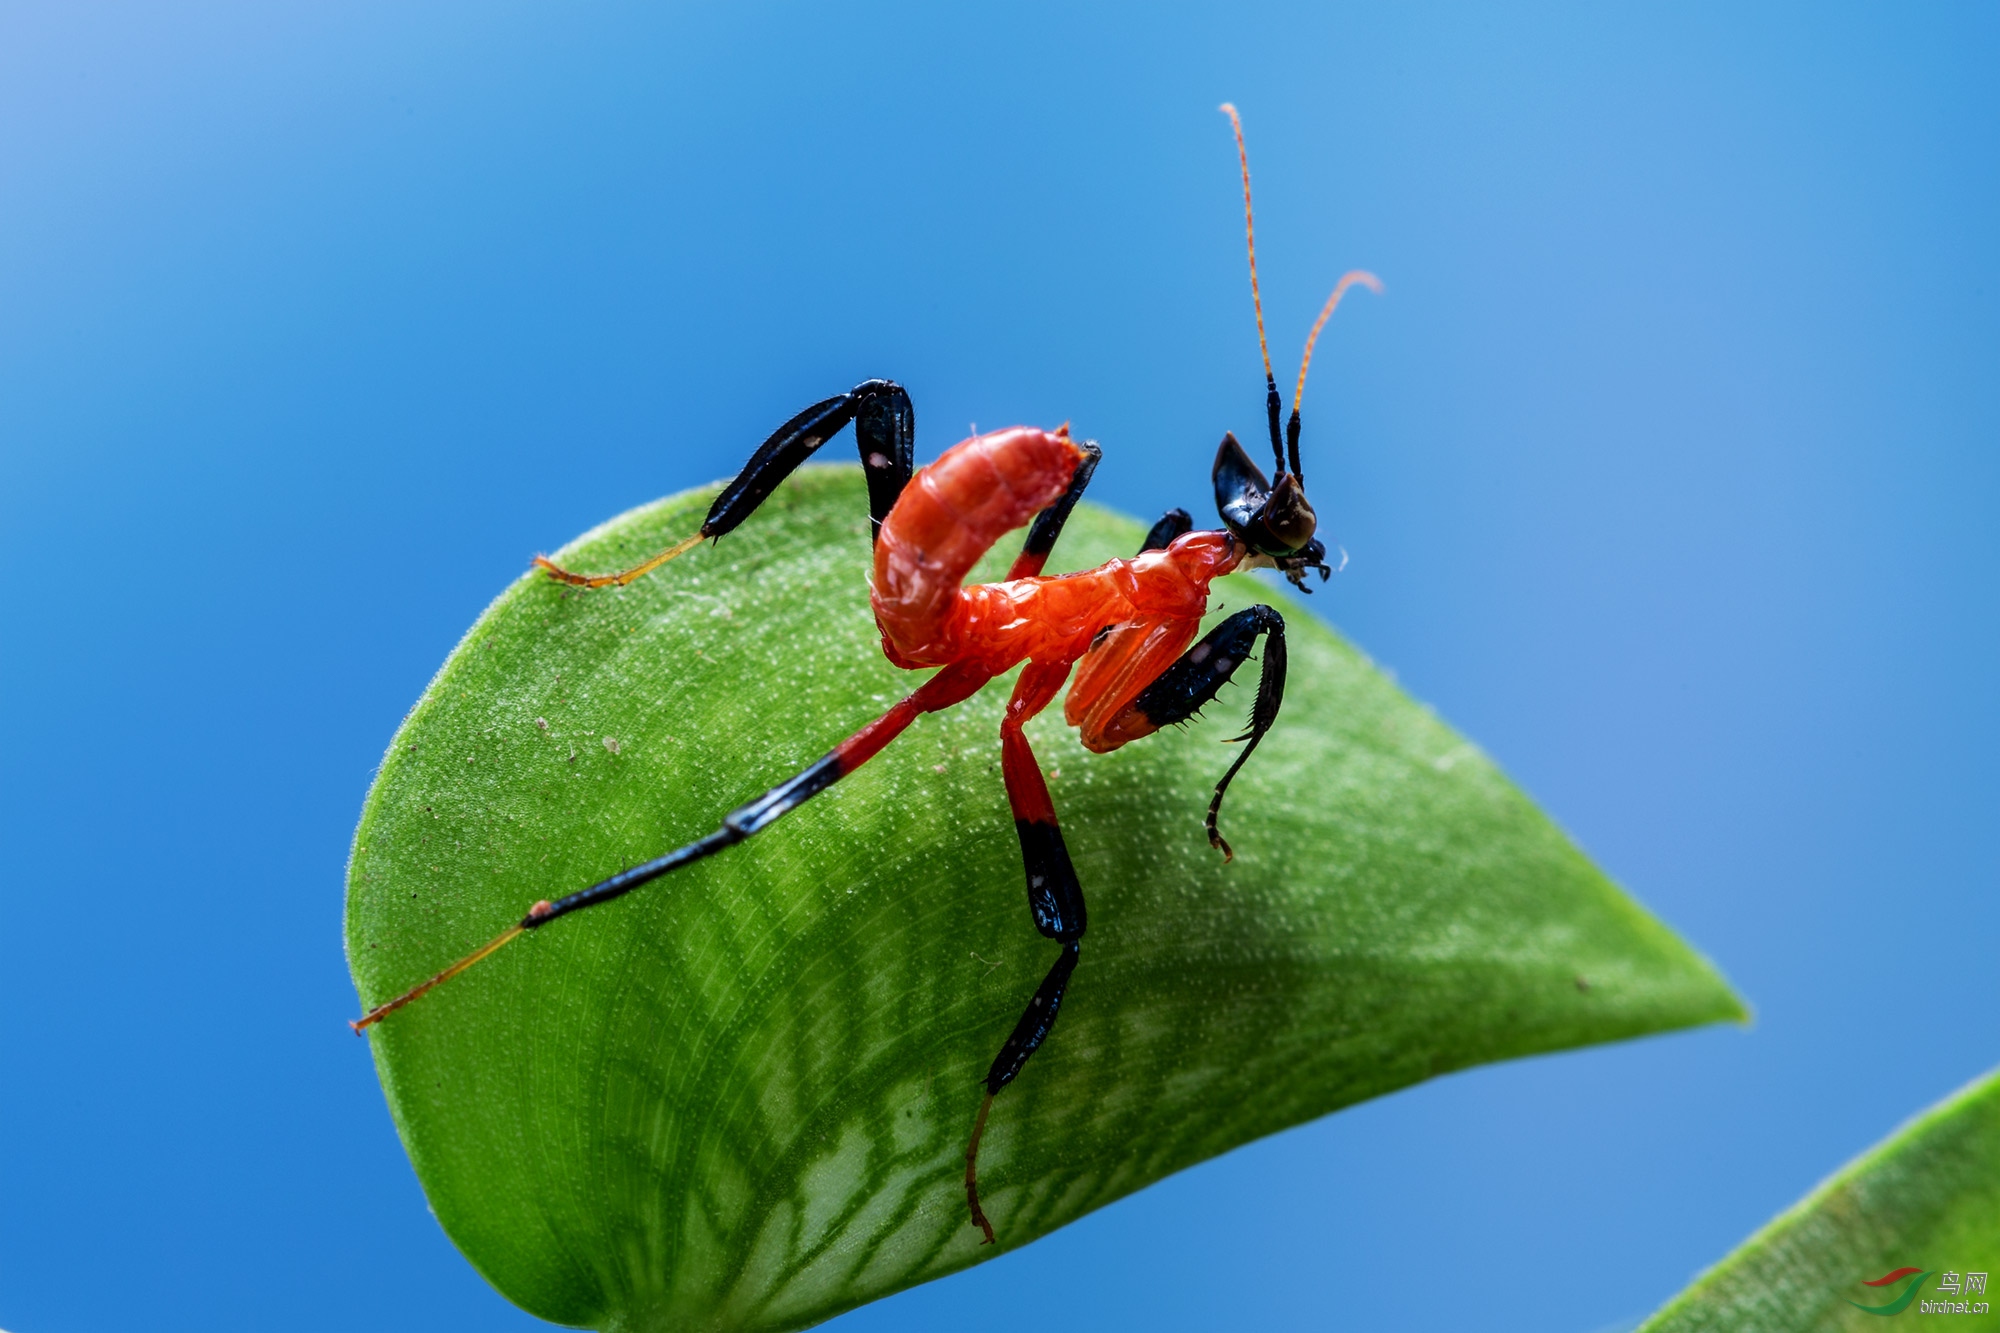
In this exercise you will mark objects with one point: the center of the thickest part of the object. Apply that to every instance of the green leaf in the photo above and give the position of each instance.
(739, 1098)
(1928, 1198)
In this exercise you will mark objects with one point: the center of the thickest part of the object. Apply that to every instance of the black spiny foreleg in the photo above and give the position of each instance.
(885, 429)
(1183, 688)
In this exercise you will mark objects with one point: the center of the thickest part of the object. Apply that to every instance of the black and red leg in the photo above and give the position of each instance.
(1048, 524)
(1055, 899)
(885, 430)
(950, 686)
(1174, 523)
(1184, 688)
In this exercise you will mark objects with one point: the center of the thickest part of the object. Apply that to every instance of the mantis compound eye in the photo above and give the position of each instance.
(1287, 516)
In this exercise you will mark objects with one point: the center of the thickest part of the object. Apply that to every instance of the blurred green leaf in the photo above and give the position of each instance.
(739, 1098)
(1926, 1198)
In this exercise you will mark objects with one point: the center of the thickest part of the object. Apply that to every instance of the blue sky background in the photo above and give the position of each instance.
(1667, 466)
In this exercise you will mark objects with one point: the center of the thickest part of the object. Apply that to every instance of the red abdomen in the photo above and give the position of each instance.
(947, 517)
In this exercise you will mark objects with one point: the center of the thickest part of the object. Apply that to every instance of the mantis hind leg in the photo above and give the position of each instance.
(1049, 523)
(950, 686)
(1055, 901)
(885, 430)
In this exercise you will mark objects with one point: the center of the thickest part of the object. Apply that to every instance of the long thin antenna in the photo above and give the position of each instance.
(1357, 276)
(1272, 402)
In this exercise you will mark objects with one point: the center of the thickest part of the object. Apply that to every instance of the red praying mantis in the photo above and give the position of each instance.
(1125, 631)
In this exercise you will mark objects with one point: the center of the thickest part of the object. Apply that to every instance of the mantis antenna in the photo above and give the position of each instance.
(1271, 399)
